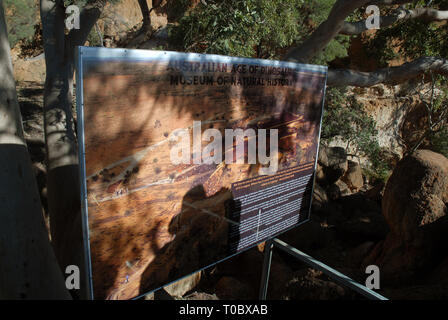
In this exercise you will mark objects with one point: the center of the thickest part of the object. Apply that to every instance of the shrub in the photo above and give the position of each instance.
(345, 118)
(253, 28)
(21, 15)
(439, 141)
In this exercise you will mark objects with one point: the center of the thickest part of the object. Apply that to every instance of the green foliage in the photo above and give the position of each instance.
(439, 141)
(336, 48)
(94, 39)
(22, 15)
(344, 118)
(176, 9)
(82, 3)
(435, 101)
(411, 38)
(20, 18)
(252, 28)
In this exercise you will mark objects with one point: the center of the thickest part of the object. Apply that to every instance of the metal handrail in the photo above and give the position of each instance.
(332, 273)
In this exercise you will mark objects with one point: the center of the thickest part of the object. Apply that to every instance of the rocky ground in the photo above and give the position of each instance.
(399, 227)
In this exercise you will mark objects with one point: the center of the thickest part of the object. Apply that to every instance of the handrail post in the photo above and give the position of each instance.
(268, 247)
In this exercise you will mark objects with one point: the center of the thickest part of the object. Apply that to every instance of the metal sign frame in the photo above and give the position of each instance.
(105, 54)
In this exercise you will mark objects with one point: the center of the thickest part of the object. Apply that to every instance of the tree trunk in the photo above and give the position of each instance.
(389, 75)
(28, 267)
(63, 184)
(326, 31)
(146, 15)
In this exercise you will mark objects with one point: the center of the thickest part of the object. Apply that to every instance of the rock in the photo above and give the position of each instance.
(338, 190)
(119, 17)
(415, 208)
(158, 20)
(320, 197)
(309, 285)
(419, 292)
(416, 194)
(322, 158)
(395, 261)
(27, 70)
(334, 163)
(401, 262)
(158, 39)
(242, 266)
(368, 226)
(379, 90)
(160, 294)
(229, 288)
(181, 287)
(361, 219)
(246, 267)
(439, 275)
(309, 236)
(149, 296)
(357, 204)
(375, 193)
(358, 253)
(320, 176)
(201, 296)
(353, 177)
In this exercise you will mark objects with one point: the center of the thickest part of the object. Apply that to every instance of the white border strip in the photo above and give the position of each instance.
(82, 167)
(105, 54)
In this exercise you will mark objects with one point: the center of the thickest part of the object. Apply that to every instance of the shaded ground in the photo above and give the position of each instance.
(30, 97)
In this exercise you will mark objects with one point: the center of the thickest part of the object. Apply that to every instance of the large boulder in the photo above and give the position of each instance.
(184, 285)
(320, 176)
(320, 198)
(337, 190)
(415, 207)
(353, 177)
(200, 296)
(119, 18)
(333, 161)
(416, 194)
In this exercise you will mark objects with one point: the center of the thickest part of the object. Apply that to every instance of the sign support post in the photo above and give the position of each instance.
(266, 269)
(316, 264)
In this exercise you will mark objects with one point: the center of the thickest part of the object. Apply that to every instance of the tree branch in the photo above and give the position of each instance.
(52, 17)
(329, 29)
(391, 75)
(428, 14)
(88, 16)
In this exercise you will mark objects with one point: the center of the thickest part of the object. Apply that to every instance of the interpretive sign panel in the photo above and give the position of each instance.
(188, 159)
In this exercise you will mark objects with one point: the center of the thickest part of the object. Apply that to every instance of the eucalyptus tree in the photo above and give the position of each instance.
(28, 268)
